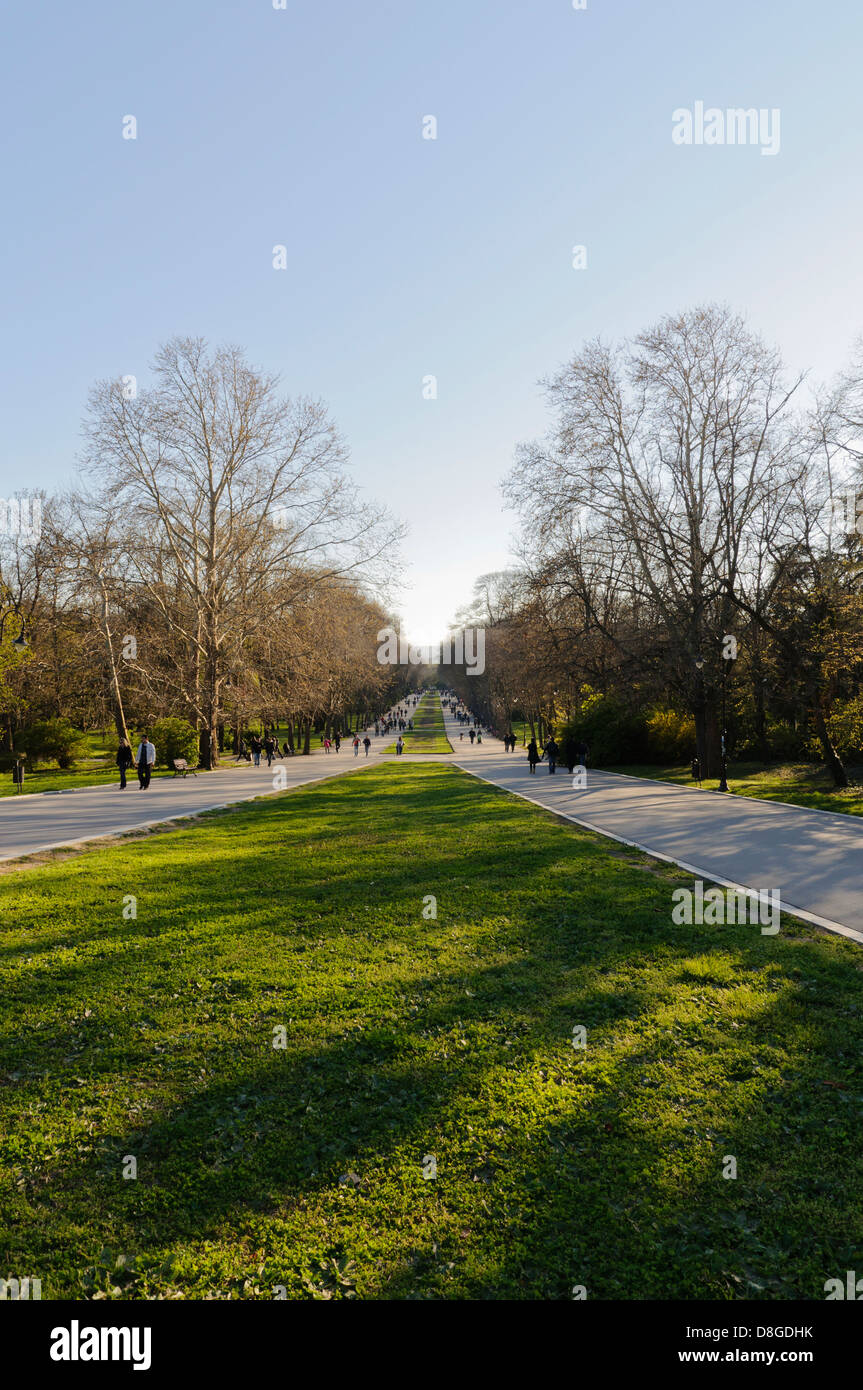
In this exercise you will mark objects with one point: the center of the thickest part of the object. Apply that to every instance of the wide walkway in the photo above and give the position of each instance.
(49, 820)
(41, 821)
(814, 858)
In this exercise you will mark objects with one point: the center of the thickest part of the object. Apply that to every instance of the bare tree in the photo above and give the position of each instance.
(668, 460)
(218, 483)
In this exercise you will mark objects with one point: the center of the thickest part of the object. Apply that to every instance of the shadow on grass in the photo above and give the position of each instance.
(555, 1168)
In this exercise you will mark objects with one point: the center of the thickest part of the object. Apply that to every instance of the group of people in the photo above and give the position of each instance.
(571, 755)
(259, 747)
(464, 716)
(355, 742)
(268, 746)
(143, 760)
(398, 718)
(399, 722)
(472, 734)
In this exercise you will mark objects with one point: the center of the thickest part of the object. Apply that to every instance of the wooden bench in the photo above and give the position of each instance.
(181, 768)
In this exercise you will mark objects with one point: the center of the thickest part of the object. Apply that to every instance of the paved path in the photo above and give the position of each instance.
(42, 821)
(49, 820)
(814, 858)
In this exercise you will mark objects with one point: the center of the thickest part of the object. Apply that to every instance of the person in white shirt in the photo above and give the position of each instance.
(144, 760)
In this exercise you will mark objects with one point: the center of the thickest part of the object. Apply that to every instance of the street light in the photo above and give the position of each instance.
(728, 650)
(20, 641)
(723, 781)
(697, 769)
(729, 653)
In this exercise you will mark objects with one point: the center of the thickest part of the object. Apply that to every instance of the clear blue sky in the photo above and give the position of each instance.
(410, 257)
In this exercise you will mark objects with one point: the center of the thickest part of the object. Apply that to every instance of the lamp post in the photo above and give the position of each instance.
(728, 655)
(20, 641)
(723, 781)
(699, 667)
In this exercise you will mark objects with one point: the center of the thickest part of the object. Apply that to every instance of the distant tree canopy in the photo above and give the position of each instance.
(215, 565)
(685, 526)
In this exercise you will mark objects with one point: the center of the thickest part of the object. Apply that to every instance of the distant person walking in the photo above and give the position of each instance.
(256, 749)
(400, 743)
(472, 735)
(124, 761)
(145, 757)
(367, 743)
(551, 751)
(356, 745)
(337, 741)
(532, 755)
(569, 753)
(269, 749)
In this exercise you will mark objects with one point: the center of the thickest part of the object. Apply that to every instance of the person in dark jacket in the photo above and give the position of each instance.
(551, 752)
(124, 760)
(532, 755)
(569, 753)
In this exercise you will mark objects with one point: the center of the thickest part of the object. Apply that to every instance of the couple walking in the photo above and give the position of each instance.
(551, 752)
(144, 760)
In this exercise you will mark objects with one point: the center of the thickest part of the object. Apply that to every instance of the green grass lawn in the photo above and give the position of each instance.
(409, 1037)
(801, 784)
(428, 734)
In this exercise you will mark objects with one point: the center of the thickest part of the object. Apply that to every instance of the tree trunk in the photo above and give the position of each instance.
(760, 720)
(699, 711)
(116, 696)
(831, 757)
(714, 741)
